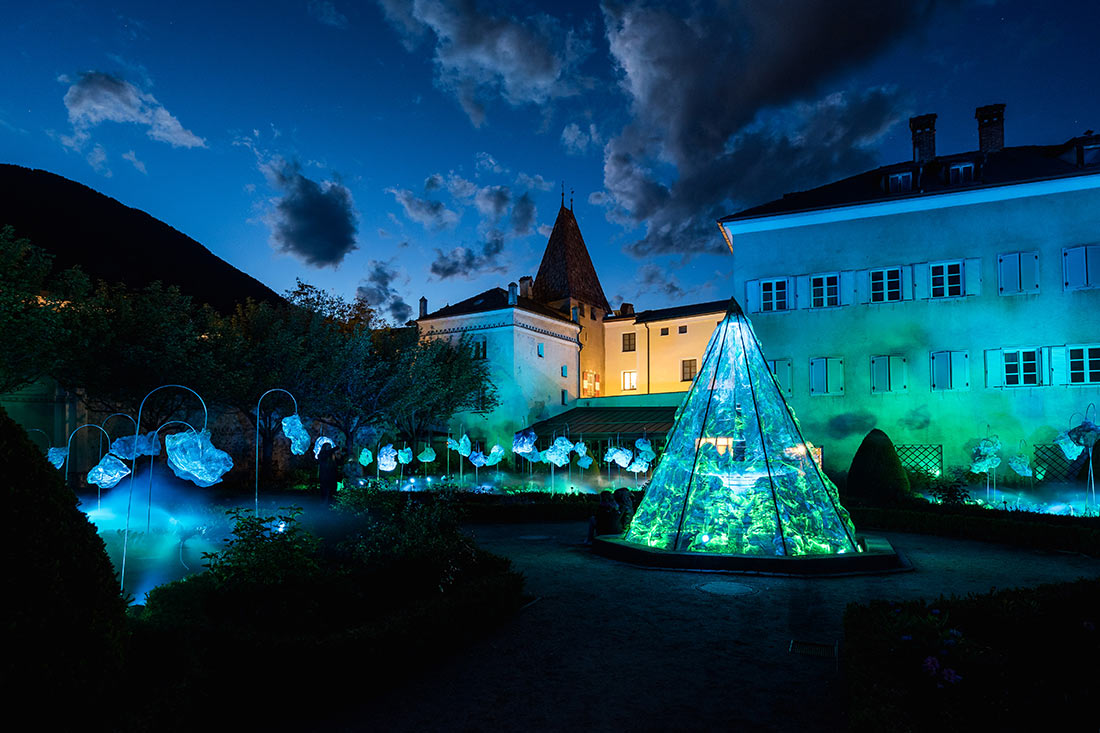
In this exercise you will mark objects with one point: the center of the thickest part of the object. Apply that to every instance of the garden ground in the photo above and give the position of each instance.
(608, 646)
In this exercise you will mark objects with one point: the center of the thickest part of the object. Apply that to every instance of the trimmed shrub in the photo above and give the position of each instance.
(876, 475)
(66, 626)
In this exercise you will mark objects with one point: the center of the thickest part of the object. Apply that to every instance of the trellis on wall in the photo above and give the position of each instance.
(919, 457)
(1054, 464)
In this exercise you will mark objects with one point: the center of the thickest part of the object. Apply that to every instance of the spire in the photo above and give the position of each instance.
(566, 270)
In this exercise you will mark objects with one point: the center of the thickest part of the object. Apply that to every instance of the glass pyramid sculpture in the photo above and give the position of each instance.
(736, 476)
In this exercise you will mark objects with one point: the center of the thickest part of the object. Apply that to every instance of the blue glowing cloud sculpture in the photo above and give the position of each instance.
(477, 458)
(985, 455)
(584, 461)
(463, 445)
(558, 453)
(496, 455)
(1020, 465)
(387, 457)
(580, 448)
(1069, 448)
(57, 456)
(1085, 434)
(523, 443)
(405, 456)
(108, 472)
(321, 443)
(427, 455)
(638, 466)
(619, 456)
(365, 457)
(193, 457)
(296, 431)
(147, 445)
(645, 450)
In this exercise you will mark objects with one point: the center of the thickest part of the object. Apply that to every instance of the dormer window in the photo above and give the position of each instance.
(960, 173)
(900, 182)
(1090, 155)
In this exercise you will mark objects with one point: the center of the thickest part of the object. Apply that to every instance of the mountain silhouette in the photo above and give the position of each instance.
(113, 242)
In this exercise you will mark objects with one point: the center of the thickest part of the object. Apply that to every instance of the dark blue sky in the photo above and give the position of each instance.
(415, 147)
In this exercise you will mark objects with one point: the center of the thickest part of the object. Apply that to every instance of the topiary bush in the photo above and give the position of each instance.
(876, 475)
(66, 626)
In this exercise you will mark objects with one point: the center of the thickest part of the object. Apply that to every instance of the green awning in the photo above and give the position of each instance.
(602, 423)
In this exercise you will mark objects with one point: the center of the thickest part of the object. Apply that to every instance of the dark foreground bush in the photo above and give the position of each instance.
(1013, 660)
(876, 475)
(66, 627)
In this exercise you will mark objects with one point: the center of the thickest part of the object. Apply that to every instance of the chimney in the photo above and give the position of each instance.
(626, 309)
(923, 128)
(525, 286)
(511, 293)
(423, 307)
(991, 127)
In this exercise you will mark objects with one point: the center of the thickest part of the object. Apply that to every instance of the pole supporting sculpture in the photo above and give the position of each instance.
(265, 394)
(68, 447)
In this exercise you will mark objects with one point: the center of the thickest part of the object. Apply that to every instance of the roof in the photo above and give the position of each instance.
(1009, 165)
(601, 423)
(681, 311)
(495, 299)
(566, 270)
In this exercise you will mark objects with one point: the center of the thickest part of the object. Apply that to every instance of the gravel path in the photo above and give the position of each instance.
(608, 646)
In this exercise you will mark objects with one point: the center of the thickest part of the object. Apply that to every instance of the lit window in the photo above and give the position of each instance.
(565, 370)
(1018, 272)
(826, 376)
(773, 295)
(687, 370)
(541, 349)
(960, 173)
(590, 384)
(682, 329)
(888, 374)
(1084, 364)
(781, 370)
(630, 381)
(664, 331)
(1081, 267)
(950, 370)
(886, 285)
(824, 291)
(1021, 367)
(629, 341)
(901, 182)
(946, 279)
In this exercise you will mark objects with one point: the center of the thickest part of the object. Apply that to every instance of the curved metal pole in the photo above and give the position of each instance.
(156, 439)
(40, 430)
(133, 467)
(68, 445)
(265, 394)
(104, 426)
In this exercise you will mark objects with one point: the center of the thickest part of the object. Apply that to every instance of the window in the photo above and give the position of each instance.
(682, 329)
(580, 309)
(1084, 364)
(950, 370)
(629, 341)
(826, 376)
(565, 396)
(773, 295)
(479, 347)
(960, 173)
(946, 279)
(593, 314)
(687, 370)
(824, 291)
(1090, 154)
(888, 374)
(590, 384)
(565, 370)
(900, 182)
(541, 350)
(1017, 273)
(781, 370)
(1081, 267)
(664, 331)
(630, 381)
(886, 285)
(1021, 367)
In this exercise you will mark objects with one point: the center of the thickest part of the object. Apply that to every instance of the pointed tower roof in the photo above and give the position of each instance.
(737, 477)
(566, 270)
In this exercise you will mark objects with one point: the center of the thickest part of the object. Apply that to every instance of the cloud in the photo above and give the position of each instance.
(492, 202)
(377, 289)
(480, 55)
(97, 158)
(486, 162)
(652, 278)
(131, 156)
(523, 215)
(461, 188)
(434, 182)
(533, 183)
(679, 162)
(314, 221)
(577, 141)
(100, 97)
(326, 13)
(470, 263)
(429, 213)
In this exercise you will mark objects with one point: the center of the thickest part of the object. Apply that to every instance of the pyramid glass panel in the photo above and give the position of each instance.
(737, 476)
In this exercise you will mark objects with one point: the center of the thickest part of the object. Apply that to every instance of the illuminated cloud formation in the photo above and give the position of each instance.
(405, 456)
(558, 453)
(147, 445)
(108, 472)
(584, 461)
(619, 456)
(57, 456)
(496, 455)
(427, 455)
(365, 457)
(320, 443)
(477, 458)
(299, 436)
(462, 445)
(387, 457)
(194, 458)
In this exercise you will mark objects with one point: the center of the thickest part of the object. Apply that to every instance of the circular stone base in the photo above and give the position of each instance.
(879, 557)
(725, 588)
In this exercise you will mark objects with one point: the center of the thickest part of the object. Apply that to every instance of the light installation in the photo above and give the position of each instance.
(736, 476)
(194, 458)
(108, 472)
(292, 429)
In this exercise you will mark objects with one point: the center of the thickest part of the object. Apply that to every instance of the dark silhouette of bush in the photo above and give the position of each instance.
(66, 624)
(876, 475)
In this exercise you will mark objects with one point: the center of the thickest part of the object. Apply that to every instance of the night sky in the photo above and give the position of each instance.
(404, 148)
